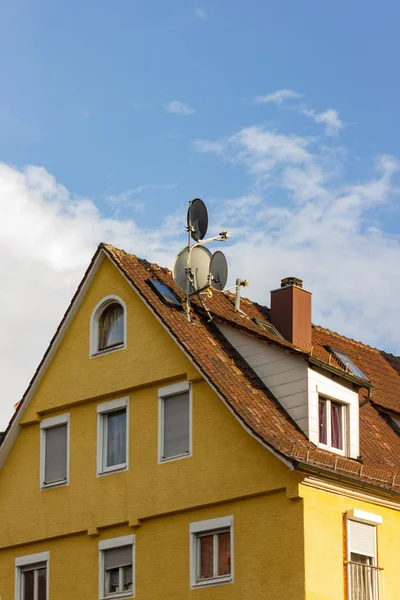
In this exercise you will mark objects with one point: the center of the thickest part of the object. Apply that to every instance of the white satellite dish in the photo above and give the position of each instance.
(218, 270)
(198, 270)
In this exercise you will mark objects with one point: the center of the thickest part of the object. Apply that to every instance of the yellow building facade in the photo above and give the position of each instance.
(286, 526)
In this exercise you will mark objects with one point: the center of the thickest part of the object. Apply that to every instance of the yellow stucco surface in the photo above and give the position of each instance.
(229, 473)
(324, 544)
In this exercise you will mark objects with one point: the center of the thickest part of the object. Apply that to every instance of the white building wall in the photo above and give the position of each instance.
(296, 385)
(284, 374)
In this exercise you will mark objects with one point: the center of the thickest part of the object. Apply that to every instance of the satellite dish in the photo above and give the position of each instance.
(218, 270)
(197, 219)
(200, 259)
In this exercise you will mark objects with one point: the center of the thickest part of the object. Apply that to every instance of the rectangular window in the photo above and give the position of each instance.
(117, 566)
(364, 577)
(112, 434)
(32, 577)
(175, 421)
(331, 424)
(211, 549)
(54, 451)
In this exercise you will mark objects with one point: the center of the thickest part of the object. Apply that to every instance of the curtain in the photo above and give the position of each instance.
(322, 422)
(111, 326)
(363, 577)
(224, 553)
(336, 426)
(115, 422)
(206, 556)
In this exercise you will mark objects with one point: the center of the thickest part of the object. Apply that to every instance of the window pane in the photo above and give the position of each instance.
(42, 584)
(206, 556)
(224, 553)
(115, 422)
(361, 558)
(111, 326)
(336, 425)
(55, 466)
(112, 581)
(127, 583)
(176, 425)
(28, 583)
(322, 422)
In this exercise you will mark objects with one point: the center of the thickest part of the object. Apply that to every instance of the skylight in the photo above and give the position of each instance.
(348, 363)
(164, 293)
(267, 327)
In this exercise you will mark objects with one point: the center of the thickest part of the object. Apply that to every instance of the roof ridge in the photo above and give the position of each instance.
(347, 339)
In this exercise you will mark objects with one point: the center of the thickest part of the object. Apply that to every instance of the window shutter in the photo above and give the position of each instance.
(118, 557)
(55, 466)
(176, 425)
(361, 538)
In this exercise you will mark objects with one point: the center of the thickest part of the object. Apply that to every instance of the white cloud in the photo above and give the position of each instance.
(260, 149)
(179, 108)
(330, 118)
(200, 13)
(279, 96)
(126, 198)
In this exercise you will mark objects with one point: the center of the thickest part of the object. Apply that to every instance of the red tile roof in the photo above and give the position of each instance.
(254, 404)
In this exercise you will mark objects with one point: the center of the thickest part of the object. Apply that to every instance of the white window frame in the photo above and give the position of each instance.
(48, 424)
(165, 392)
(125, 540)
(28, 561)
(94, 327)
(103, 409)
(210, 526)
(345, 418)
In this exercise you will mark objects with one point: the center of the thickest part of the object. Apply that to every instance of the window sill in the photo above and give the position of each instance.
(101, 353)
(163, 460)
(212, 582)
(118, 469)
(118, 595)
(51, 486)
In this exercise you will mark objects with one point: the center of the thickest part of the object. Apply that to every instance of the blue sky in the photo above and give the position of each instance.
(282, 116)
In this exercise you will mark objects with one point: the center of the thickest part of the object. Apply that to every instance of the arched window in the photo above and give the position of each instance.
(111, 326)
(108, 326)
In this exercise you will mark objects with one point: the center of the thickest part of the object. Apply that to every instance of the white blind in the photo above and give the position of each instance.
(118, 557)
(55, 466)
(361, 538)
(176, 425)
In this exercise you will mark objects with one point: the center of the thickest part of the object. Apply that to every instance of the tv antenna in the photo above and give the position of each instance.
(195, 268)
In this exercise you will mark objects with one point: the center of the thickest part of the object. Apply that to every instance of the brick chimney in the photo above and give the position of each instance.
(291, 312)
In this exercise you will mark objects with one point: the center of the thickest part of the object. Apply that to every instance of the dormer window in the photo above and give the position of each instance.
(108, 326)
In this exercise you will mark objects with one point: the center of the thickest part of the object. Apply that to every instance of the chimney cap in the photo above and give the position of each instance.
(290, 281)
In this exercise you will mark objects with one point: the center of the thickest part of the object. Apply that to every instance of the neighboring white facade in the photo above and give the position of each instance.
(297, 386)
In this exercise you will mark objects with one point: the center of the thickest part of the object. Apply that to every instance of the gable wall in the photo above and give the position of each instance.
(226, 463)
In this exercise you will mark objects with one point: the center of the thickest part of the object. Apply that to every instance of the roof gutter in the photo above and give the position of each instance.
(307, 468)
